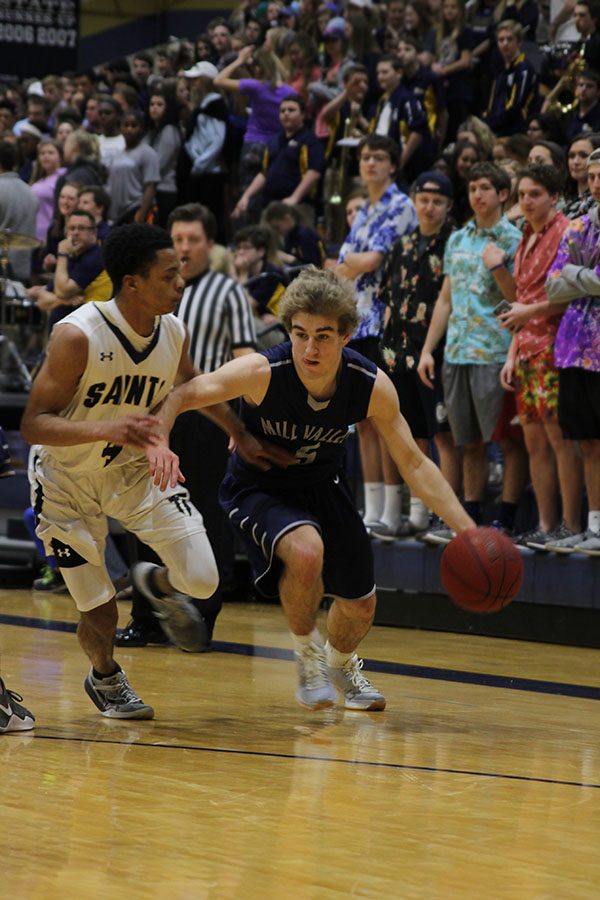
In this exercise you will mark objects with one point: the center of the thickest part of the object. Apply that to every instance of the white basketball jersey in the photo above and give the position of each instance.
(125, 374)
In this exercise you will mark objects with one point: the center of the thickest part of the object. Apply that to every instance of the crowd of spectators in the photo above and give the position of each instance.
(441, 155)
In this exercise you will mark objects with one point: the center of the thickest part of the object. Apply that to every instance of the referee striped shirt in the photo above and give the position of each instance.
(218, 317)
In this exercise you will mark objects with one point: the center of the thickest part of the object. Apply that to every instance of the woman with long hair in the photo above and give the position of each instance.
(68, 197)
(464, 156)
(453, 55)
(577, 193)
(46, 171)
(304, 64)
(264, 93)
(164, 137)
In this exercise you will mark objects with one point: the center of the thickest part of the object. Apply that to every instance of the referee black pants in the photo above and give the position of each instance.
(203, 456)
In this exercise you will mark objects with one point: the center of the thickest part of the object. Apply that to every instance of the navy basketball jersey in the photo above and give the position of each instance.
(314, 431)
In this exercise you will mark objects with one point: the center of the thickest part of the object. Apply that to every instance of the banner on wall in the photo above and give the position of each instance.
(38, 37)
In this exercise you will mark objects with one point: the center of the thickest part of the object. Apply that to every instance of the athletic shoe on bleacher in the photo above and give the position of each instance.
(386, 533)
(590, 545)
(356, 688)
(565, 544)
(439, 533)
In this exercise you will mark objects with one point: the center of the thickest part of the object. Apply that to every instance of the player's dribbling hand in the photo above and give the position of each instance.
(263, 454)
(163, 465)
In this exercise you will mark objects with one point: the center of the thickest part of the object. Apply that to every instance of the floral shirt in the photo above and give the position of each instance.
(578, 339)
(376, 227)
(412, 280)
(474, 336)
(535, 255)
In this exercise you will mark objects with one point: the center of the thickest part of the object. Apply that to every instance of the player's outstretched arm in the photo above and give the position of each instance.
(53, 390)
(421, 475)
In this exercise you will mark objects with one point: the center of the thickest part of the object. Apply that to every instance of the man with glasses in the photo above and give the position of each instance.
(80, 275)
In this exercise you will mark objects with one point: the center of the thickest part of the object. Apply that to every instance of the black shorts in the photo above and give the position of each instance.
(262, 518)
(369, 347)
(422, 407)
(579, 404)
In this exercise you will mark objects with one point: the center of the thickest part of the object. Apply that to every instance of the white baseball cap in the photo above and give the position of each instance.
(201, 69)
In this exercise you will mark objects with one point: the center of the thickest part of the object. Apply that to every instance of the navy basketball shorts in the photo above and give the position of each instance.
(262, 518)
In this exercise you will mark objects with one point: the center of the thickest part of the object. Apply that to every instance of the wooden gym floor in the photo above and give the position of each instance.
(480, 780)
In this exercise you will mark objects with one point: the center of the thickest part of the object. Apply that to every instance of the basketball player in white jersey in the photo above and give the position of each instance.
(108, 366)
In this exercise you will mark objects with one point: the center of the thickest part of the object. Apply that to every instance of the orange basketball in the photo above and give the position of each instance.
(481, 570)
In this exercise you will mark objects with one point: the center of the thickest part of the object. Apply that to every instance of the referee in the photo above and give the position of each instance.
(219, 320)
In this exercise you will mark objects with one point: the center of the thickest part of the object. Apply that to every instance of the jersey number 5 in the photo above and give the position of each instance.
(110, 452)
(307, 455)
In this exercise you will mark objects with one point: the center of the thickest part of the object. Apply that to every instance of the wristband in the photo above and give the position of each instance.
(499, 266)
(66, 255)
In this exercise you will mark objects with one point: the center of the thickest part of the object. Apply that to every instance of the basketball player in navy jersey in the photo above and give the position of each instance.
(108, 365)
(302, 532)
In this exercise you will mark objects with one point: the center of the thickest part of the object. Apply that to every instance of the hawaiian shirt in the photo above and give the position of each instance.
(411, 283)
(474, 335)
(376, 227)
(578, 338)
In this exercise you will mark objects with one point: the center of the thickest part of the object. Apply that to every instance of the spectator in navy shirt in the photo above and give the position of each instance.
(292, 165)
(515, 90)
(586, 115)
(301, 245)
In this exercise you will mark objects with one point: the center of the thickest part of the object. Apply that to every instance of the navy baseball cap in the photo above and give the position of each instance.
(433, 182)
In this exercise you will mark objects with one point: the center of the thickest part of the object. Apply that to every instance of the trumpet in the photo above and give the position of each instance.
(567, 84)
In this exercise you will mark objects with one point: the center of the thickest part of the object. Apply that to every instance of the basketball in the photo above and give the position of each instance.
(481, 570)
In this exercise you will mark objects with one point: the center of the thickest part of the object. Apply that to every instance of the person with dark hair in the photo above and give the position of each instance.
(107, 368)
(400, 116)
(578, 197)
(264, 281)
(378, 224)
(544, 126)
(477, 266)
(133, 175)
(427, 87)
(300, 527)
(514, 92)
(301, 244)
(164, 137)
(547, 153)
(585, 117)
(529, 369)
(217, 315)
(95, 199)
(80, 275)
(142, 67)
(110, 139)
(8, 114)
(292, 165)
(464, 156)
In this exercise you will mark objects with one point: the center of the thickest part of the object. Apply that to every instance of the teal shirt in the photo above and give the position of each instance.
(474, 336)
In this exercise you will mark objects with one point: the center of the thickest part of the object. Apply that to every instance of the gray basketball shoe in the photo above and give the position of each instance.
(358, 691)
(115, 698)
(13, 716)
(315, 690)
(178, 617)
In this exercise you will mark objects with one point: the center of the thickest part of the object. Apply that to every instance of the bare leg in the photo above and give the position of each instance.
(349, 621)
(570, 475)
(591, 466)
(543, 474)
(515, 470)
(450, 461)
(475, 471)
(301, 585)
(96, 632)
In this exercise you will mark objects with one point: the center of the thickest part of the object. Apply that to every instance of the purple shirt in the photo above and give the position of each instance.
(263, 122)
(44, 191)
(578, 338)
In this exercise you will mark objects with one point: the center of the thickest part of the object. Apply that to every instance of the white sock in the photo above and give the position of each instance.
(301, 641)
(373, 501)
(594, 520)
(419, 514)
(392, 508)
(335, 658)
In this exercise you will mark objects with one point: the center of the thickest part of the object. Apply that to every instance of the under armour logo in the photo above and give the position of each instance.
(65, 552)
(182, 503)
(104, 356)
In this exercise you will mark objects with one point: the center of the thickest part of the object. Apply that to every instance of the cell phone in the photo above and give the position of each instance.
(503, 306)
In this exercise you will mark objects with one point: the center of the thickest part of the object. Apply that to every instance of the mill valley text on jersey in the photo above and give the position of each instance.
(314, 430)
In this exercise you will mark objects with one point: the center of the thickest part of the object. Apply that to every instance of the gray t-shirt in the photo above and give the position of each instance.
(167, 144)
(130, 172)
